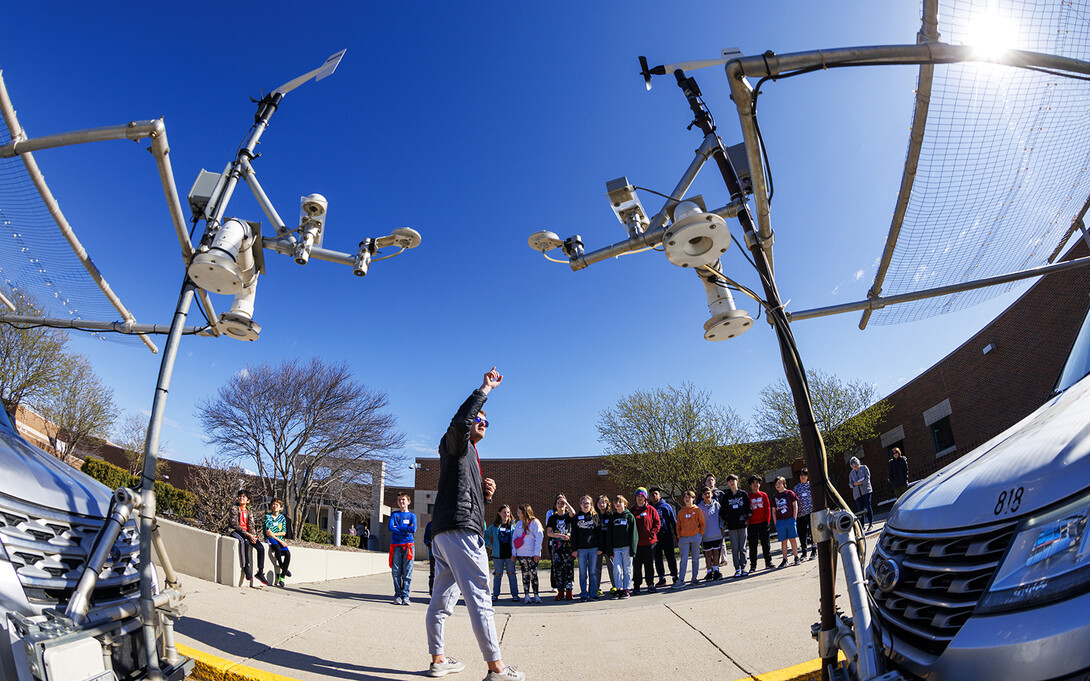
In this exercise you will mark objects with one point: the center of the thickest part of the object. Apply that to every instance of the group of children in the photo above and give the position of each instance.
(630, 542)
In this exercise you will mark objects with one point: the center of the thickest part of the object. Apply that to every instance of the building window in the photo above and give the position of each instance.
(431, 509)
(899, 444)
(943, 436)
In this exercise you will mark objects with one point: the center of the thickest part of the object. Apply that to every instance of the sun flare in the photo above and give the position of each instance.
(991, 35)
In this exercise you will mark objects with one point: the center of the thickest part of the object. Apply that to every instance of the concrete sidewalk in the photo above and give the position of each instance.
(349, 629)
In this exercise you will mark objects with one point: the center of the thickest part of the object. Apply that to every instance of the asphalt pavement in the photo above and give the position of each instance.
(350, 629)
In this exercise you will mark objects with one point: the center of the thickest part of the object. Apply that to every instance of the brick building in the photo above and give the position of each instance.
(994, 379)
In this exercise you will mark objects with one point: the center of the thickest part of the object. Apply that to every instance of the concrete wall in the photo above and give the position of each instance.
(214, 557)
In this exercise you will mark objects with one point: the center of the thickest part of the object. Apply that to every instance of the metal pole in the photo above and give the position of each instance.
(878, 303)
(929, 33)
(117, 327)
(124, 500)
(793, 369)
(148, 614)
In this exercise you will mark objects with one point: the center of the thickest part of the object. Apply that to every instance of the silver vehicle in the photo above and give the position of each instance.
(983, 569)
(50, 517)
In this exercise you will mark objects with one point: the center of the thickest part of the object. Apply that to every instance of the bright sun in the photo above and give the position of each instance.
(990, 35)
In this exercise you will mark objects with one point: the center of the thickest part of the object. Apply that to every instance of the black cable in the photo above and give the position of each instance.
(652, 191)
(27, 327)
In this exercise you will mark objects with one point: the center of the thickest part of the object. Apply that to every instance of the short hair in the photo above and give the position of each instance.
(754, 478)
(654, 489)
(732, 476)
(706, 490)
(403, 494)
(709, 475)
(620, 499)
(780, 478)
(277, 501)
(242, 493)
(804, 472)
(689, 493)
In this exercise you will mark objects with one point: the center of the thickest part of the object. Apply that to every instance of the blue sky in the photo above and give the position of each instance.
(478, 124)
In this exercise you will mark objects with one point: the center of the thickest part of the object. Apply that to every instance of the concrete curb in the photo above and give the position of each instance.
(208, 667)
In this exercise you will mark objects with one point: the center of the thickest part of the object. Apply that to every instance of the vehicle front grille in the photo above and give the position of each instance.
(942, 577)
(48, 549)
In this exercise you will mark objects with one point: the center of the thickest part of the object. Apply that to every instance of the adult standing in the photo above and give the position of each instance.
(806, 507)
(898, 473)
(461, 563)
(859, 479)
(760, 515)
(664, 547)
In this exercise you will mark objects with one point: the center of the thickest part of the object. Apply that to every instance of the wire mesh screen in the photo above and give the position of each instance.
(35, 258)
(1003, 166)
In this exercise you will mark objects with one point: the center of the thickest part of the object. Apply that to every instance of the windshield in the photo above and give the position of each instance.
(1078, 362)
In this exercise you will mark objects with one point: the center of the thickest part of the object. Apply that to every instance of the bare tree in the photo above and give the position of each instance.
(671, 437)
(131, 435)
(80, 405)
(31, 357)
(309, 428)
(846, 412)
(215, 483)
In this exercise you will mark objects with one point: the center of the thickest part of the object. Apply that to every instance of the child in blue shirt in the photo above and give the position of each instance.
(402, 527)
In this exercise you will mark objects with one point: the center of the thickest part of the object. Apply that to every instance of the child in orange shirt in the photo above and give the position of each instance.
(690, 532)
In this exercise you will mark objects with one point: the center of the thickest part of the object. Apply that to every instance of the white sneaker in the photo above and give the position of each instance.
(537, 599)
(508, 674)
(448, 666)
(526, 600)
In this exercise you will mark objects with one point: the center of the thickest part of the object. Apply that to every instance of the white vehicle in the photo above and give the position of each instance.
(983, 569)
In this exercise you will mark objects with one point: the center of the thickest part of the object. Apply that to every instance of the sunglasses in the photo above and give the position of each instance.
(480, 420)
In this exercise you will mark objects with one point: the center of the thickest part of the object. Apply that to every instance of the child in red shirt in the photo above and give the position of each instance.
(757, 531)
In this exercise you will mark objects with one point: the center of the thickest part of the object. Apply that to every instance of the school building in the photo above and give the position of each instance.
(993, 380)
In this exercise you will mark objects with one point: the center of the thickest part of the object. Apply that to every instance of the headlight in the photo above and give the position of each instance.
(1049, 559)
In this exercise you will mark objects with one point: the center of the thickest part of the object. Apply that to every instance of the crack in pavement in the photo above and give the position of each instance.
(280, 644)
(727, 655)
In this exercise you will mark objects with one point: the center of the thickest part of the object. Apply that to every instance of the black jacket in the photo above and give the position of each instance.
(734, 510)
(459, 501)
(898, 471)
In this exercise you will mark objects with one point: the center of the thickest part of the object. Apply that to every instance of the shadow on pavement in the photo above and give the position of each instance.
(241, 644)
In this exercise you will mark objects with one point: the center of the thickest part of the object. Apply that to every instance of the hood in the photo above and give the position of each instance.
(35, 477)
(1046, 455)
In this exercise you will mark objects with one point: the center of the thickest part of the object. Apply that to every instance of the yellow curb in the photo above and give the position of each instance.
(806, 671)
(208, 667)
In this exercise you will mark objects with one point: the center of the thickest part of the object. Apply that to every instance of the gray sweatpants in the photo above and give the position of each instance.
(738, 548)
(461, 568)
